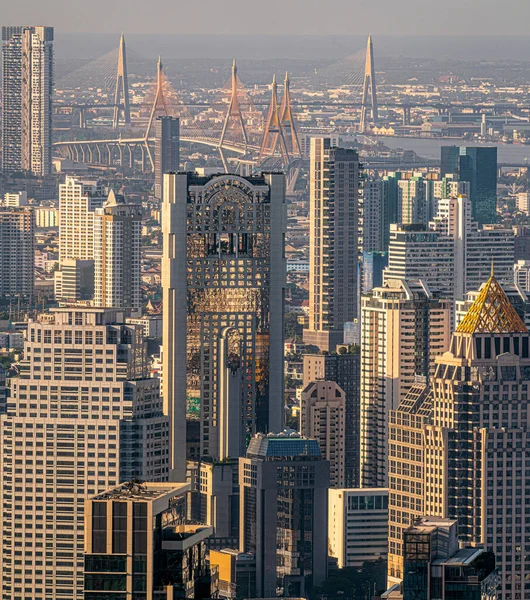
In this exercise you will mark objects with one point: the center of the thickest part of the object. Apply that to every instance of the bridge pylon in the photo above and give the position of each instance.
(233, 114)
(121, 94)
(369, 98)
(273, 133)
(287, 121)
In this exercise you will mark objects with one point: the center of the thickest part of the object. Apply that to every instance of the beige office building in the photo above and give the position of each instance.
(334, 217)
(83, 416)
(117, 245)
(404, 326)
(323, 417)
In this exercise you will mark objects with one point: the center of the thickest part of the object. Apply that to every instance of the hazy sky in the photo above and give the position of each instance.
(397, 17)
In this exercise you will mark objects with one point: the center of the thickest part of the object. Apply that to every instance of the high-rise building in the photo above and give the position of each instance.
(334, 218)
(521, 271)
(404, 327)
(117, 260)
(27, 89)
(139, 544)
(375, 215)
(478, 165)
(83, 416)
(15, 199)
(17, 255)
(372, 267)
(436, 568)
(167, 149)
(412, 201)
(323, 417)
(358, 525)
(75, 281)
(223, 276)
(345, 370)
(476, 449)
(3, 390)
(284, 485)
(78, 200)
(406, 469)
(452, 255)
(214, 500)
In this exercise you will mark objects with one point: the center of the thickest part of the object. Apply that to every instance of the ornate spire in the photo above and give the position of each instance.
(492, 312)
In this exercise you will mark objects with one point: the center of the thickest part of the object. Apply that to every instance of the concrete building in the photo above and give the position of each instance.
(345, 371)
(523, 202)
(477, 444)
(223, 277)
(237, 573)
(453, 255)
(17, 256)
(284, 485)
(137, 538)
(3, 390)
(521, 272)
(46, 216)
(83, 416)
(75, 280)
(117, 260)
(167, 149)
(358, 525)
(375, 215)
(323, 417)
(15, 199)
(215, 500)
(412, 201)
(27, 89)
(334, 218)
(404, 327)
(435, 568)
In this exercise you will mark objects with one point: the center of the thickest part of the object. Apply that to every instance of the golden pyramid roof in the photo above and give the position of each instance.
(492, 312)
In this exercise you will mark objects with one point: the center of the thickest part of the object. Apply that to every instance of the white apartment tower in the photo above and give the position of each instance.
(322, 417)
(27, 89)
(404, 327)
(334, 217)
(17, 253)
(223, 278)
(83, 416)
(117, 244)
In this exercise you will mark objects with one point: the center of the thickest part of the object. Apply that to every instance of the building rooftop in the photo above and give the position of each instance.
(137, 491)
(282, 445)
(492, 312)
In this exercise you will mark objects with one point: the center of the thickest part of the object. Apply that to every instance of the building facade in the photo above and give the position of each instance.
(345, 370)
(334, 218)
(478, 166)
(17, 258)
(167, 150)
(27, 90)
(117, 260)
(83, 416)
(139, 544)
(404, 327)
(323, 417)
(358, 525)
(223, 277)
(284, 506)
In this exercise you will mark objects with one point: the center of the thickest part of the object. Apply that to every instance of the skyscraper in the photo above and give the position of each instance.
(345, 370)
(167, 149)
(404, 326)
(224, 280)
(322, 417)
(284, 485)
(137, 538)
(27, 88)
(17, 253)
(478, 165)
(476, 448)
(117, 244)
(334, 219)
(82, 417)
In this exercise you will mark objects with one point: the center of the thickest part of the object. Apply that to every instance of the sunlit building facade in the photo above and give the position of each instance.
(223, 273)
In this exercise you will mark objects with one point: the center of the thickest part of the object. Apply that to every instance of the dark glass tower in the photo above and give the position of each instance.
(478, 165)
(167, 142)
